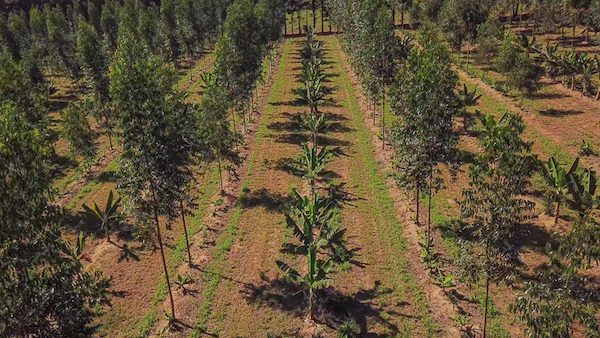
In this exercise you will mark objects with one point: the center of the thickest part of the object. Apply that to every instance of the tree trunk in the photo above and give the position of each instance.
(322, 17)
(402, 17)
(107, 234)
(162, 252)
(383, 120)
(314, 15)
(187, 240)
(428, 241)
(394, 16)
(418, 199)
(108, 130)
(285, 26)
(574, 31)
(292, 22)
(311, 312)
(487, 295)
(299, 22)
(220, 172)
(598, 93)
(556, 213)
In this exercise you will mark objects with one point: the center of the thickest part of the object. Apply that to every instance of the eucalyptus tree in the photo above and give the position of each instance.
(108, 216)
(217, 139)
(156, 134)
(493, 205)
(168, 29)
(93, 59)
(45, 290)
(93, 15)
(514, 62)
(460, 19)
(149, 26)
(557, 179)
(75, 128)
(109, 23)
(61, 42)
(239, 54)
(8, 41)
(424, 102)
(39, 35)
(16, 86)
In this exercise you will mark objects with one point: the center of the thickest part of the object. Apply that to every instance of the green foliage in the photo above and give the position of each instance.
(157, 129)
(74, 128)
(312, 162)
(459, 19)
(513, 61)
(582, 189)
(107, 217)
(557, 179)
(489, 37)
(45, 291)
(423, 99)
(349, 329)
(586, 149)
(466, 98)
(61, 42)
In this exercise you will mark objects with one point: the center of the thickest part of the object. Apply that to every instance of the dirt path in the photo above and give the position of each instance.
(377, 290)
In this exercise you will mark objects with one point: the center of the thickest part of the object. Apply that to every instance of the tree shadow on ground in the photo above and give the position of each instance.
(332, 307)
(266, 199)
(542, 95)
(59, 164)
(560, 112)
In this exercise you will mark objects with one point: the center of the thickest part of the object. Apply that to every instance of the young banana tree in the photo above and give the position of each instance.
(315, 124)
(311, 222)
(582, 188)
(312, 162)
(106, 217)
(557, 178)
(466, 98)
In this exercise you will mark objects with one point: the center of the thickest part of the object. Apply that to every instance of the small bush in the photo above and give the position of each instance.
(349, 329)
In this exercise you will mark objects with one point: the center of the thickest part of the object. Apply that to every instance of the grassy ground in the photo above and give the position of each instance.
(245, 293)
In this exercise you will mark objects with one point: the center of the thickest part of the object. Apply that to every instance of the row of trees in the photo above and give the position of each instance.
(163, 137)
(368, 38)
(45, 290)
(493, 207)
(313, 219)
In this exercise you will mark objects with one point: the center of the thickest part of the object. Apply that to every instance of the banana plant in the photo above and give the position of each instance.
(316, 277)
(315, 124)
(311, 222)
(312, 162)
(557, 178)
(76, 251)
(466, 98)
(107, 217)
(582, 190)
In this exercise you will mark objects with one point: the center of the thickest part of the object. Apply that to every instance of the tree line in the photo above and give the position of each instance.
(45, 290)
(425, 101)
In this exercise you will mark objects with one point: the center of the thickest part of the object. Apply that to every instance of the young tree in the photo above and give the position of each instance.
(156, 134)
(424, 101)
(557, 179)
(74, 127)
(107, 217)
(45, 291)
(168, 28)
(493, 204)
(466, 98)
(61, 41)
(514, 62)
(109, 23)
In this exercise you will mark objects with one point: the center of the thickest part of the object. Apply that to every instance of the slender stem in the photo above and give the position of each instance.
(429, 209)
(162, 252)
(187, 240)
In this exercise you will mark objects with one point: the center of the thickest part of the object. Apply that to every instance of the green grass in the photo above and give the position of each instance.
(383, 204)
(215, 269)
